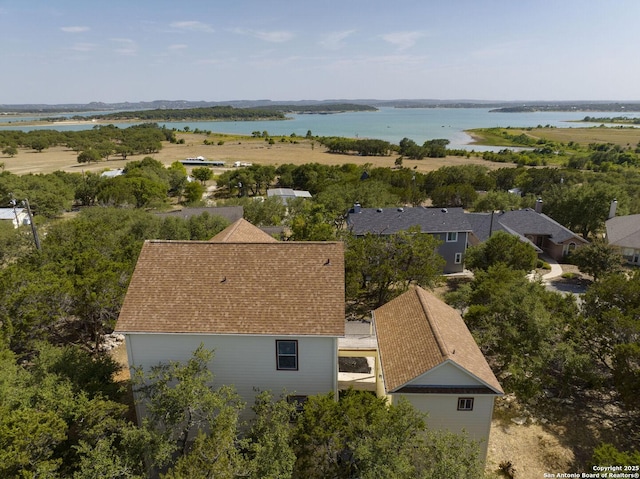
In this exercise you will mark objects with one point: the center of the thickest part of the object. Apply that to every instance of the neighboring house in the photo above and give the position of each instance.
(271, 311)
(545, 234)
(428, 356)
(448, 225)
(17, 216)
(287, 193)
(112, 173)
(623, 232)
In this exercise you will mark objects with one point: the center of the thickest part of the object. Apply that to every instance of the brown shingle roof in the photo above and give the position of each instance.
(270, 288)
(241, 231)
(417, 331)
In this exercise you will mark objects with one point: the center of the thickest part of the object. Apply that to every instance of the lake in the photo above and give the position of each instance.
(390, 124)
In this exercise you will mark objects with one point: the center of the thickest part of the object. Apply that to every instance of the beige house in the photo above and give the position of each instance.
(272, 311)
(428, 356)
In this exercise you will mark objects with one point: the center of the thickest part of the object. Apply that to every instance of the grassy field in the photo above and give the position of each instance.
(258, 151)
(235, 148)
(583, 136)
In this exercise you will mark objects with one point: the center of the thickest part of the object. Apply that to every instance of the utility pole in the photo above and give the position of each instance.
(36, 239)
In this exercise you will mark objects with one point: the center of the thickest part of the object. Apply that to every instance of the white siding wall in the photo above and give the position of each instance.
(247, 362)
(446, 374)
(444, 415)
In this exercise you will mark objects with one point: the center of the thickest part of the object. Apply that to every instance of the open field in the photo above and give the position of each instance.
(583, 136)
(235, 148)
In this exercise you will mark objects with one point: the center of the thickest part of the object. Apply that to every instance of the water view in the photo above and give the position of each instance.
(390, 124)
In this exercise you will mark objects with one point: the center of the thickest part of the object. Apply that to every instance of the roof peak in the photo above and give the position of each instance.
(241, 231)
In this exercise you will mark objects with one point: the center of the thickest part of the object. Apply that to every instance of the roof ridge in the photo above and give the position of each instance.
(434, 327)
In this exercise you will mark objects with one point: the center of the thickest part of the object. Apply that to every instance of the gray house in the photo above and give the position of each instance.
(448, 225)
(623, 233)
(545, 234)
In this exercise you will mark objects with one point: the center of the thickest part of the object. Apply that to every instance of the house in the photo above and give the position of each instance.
(287, 194)
(17, 216)
(448, 225)
(428, 356)
(271, 311)
(531, 225)
(623, 233)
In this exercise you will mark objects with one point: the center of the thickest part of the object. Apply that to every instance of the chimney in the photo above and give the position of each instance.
(613, 208)
(539, 206)
(356, 208)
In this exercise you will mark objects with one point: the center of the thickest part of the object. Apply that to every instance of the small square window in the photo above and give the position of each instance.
(452, 236)
(465, 404)
(287, 355)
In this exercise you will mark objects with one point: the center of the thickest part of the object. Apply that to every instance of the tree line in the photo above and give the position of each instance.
(227, 113)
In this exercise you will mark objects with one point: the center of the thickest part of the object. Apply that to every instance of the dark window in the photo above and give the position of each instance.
(298, 401)
(452, 236)
(287, 355)
(465, 404)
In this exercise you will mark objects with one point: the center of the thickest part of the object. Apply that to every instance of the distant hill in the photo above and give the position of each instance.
(325, 106)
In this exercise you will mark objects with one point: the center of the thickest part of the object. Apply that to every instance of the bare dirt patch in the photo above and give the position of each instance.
(244, 149)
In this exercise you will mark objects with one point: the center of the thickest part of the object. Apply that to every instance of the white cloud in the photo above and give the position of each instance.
(76, 29)
(125, 46)
(279, 36)
(192, 26)
(403, 40)
(177, 47)
(335, 40)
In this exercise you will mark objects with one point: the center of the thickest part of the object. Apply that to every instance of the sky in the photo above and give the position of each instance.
(80, 51)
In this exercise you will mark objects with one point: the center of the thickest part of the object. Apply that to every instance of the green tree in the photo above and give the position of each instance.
(455, 195)
(177, 179)
(497, 200)
(380, 267)
(597, 259)
(270, 450)
(87, 156)
(10, 150)
(202, 174)
(363, 436)
(504, 248)
(309, 221)
(181, 403)
(582, 208)
(39, 143)
(607, 455)
(610, 331)
(524, 330)
(193, 193)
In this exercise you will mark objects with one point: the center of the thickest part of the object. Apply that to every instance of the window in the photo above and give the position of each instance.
(452, 236)
(465, 404)
(298, 401)
(287, 355)
(458, 258)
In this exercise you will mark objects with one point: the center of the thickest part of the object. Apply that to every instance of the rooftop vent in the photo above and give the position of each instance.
(379, 210)
(400, 210)
(444, 210)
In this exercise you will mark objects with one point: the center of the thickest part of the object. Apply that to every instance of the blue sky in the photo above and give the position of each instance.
(77, 51)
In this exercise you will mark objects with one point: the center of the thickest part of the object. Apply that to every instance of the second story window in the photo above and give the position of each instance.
(452, 236)
(287, 355)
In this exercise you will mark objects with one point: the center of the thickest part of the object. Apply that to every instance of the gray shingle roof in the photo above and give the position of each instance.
(521, 222)
(393, 220)
(624, 231)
